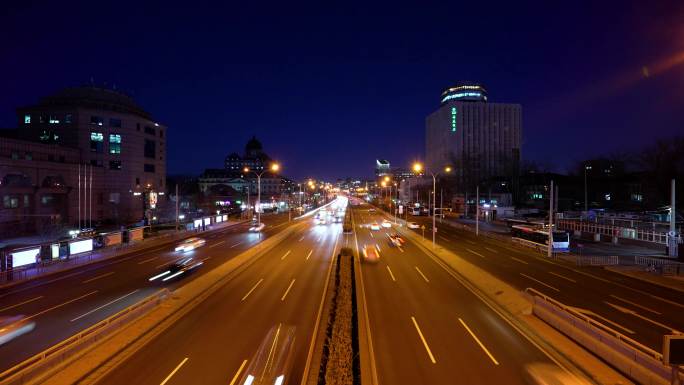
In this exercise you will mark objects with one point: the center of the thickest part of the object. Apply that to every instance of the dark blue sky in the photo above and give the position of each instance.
(329, 87)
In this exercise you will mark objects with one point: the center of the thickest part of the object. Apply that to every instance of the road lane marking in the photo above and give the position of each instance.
(301, 239)
(519, 260)
(308, 255)
(444, 238)
(635, 304)
(635, 314)
(98, 277)
(492, 250)
(562, 276)
(61, 304)
(105, 305)
(288, 290)
(479, 342)
(251, 290)
(415, 323)
(174, 371)
(239, 243)
(21, 303)
(471, 242)
(476, 253)
(422, 275)
(163, 264)
(235, 377)
(147, 260)
(285, 256)
(371, 234)
(217, 244)
(390, 273)
(400, 249)
(539, 282)
(668, 301)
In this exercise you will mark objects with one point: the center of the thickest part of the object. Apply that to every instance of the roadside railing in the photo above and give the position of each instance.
(39, 365)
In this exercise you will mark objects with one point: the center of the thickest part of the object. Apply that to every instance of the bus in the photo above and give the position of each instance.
(539, 236)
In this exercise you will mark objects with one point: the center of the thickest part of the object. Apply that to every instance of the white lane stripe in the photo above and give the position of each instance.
(635, 304)
(422, 275)
(444, 238)
(308, 255)
(562, 276)
(415, 323)
(479, 342)
(239, 243)
(286, 254)
(217, 244)
(301, 239)
(288, 290)
(98, 277)
(539, 282)
(61, 304)
(147, 260)
(476, 253)
(390, 273)
(253, 288)
(235, 377)
(174, 371)
(21, 303)
(519, 260)
(105, 305)
(492, 250)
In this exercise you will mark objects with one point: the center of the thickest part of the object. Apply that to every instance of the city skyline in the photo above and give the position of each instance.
(310, 75)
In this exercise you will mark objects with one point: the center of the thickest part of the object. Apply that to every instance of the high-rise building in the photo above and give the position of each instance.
(478, 139)
(382, 167)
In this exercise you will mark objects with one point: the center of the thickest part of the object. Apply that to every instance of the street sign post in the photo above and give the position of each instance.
(673, 354)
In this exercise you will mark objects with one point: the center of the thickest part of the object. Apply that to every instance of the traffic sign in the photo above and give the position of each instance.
(673, 349)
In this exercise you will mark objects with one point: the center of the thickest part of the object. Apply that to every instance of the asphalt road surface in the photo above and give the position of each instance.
(215, 341)
(63, 304)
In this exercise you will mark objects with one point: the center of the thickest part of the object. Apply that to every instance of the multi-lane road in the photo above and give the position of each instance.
(217, 340)
(637, 309)
(63, 304)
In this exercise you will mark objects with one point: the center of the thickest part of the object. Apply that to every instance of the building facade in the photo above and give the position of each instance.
(98, 138)
(479, 139)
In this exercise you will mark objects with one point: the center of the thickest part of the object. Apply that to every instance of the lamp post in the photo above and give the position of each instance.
(417, 168)
(274, 167)
(586, 199)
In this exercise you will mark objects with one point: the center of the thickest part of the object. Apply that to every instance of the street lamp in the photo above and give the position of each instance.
(418, 168)
(586, 200)
(274, 168)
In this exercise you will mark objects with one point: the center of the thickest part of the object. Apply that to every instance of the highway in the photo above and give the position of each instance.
(427, 328)
(65, 303)
(637, 309)
(215, 341)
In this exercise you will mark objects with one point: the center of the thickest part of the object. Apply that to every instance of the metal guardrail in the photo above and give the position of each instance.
(31, 368)
(634, 344)
(615, 231)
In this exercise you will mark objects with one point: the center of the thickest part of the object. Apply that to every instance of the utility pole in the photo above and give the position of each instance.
(549, 252)
(477, 211)
(177, 213)
(79, 196)
(441, 204)
(586, 199)
(673, 248)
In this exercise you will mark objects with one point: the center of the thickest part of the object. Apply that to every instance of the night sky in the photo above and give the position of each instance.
(329, 87)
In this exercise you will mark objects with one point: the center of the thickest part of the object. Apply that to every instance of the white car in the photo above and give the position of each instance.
(257, 228)
(412, 225)
(190, 244)
(12, 327)
(375, 226)
(386, 224)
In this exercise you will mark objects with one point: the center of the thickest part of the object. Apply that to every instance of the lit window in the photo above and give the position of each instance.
(53, 119)
(115, 143)
(27, 119)
(96, 120)
(96, 142)
(607, 196)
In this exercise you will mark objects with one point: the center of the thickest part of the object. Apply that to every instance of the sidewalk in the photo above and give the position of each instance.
(640, 273)
(18, 276)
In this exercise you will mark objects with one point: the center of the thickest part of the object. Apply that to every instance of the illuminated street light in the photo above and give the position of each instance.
(418, 168)
(274, 167)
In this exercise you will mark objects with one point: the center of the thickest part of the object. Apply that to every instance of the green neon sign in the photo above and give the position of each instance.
(454, 114)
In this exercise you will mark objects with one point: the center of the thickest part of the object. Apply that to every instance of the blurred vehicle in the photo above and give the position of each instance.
(375, 226)
(547, 374)
(412, 225)
(273, 360)
(12, 327)
(184, 265)
(386, 223)
(371, 254)
(371, 210)
(396, 240)
(190, 244)
(319, 219)
(257, 228)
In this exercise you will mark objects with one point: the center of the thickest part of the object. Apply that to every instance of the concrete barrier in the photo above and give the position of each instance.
(44, 363)
(638, 362)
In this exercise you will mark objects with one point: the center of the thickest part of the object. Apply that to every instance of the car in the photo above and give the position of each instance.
(257, 228)
(371, 210)
(396, 240)
(412, 225)
(177, 268)
(371, 254)
(12, 327)
(190, 244)
(386, 224)
(375, 226)
(273, 360)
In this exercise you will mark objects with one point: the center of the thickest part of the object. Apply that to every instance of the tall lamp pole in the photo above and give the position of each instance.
(274, 167)
(417, 168)
(586, 199)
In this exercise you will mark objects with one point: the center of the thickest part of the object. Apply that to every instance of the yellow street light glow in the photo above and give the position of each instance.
(417, 167)
(384, 184)
(246, 169)
(447, 169)
(275, 167)
(387, 179)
